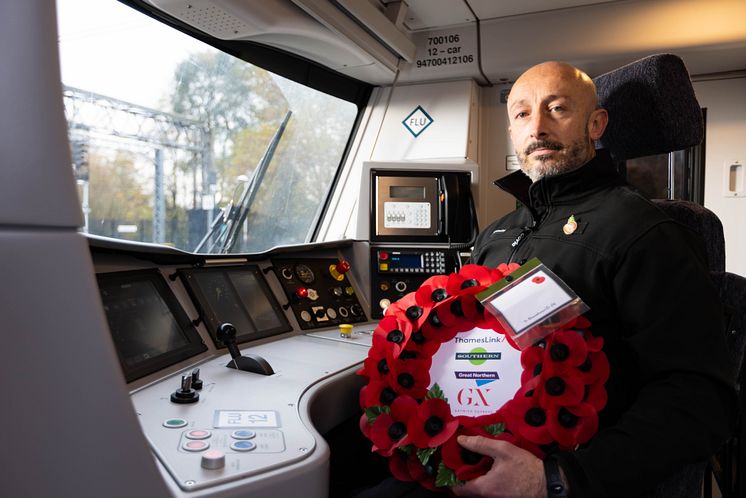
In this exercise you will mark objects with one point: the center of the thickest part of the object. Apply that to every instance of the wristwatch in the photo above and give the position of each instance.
(555, 487)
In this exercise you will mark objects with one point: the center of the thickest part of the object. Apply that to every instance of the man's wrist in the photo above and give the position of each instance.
(555, 478)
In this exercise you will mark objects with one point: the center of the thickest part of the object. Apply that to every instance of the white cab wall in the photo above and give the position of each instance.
(496, 146)
(725, 101)
(451, 138)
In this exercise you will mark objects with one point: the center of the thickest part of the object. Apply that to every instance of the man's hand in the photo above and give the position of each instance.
(515, 473)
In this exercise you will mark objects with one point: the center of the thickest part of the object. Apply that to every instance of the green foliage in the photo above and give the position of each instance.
(373, 412)
(495, 429)
(408, 449)
(446, 477)
(424, 454)
(436, 392)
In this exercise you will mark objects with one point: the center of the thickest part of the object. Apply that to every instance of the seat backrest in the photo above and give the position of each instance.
(653, 110)
(704, 222)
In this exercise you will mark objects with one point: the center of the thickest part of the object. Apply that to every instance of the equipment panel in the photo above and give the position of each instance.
(319, 292)
(396, 272)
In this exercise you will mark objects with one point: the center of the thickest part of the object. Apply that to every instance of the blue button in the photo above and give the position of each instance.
(243, 434)
(243, 446)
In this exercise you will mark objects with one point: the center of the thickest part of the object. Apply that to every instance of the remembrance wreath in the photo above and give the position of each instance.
(410, 422)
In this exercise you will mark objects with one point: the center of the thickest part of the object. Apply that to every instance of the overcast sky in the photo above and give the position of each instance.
(106, 47)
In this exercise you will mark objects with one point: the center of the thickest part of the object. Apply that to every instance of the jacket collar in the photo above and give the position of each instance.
(596, 173)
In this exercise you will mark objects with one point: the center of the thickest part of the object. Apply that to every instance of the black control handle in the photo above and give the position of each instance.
(226, 333)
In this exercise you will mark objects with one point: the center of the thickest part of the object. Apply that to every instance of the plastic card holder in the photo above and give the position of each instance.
(531, 303)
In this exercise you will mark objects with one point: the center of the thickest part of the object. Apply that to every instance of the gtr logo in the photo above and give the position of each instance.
(472, 396)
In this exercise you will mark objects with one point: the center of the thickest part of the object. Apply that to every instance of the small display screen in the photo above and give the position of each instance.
(407, 192)
(149, 329)
(239, 296)
(407, 261)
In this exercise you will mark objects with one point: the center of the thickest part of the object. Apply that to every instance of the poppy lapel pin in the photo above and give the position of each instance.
(571, 225)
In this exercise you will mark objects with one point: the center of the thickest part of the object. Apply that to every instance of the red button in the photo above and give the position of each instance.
(343, 266)
(383, 255)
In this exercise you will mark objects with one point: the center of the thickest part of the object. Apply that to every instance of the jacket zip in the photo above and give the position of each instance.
(526, 231)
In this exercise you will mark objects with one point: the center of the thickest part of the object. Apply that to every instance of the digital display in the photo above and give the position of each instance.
(407, 261)
(407, 192)
(149, 329)
(239, 296)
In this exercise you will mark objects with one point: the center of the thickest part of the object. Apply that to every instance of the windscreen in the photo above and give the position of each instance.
(178, 143)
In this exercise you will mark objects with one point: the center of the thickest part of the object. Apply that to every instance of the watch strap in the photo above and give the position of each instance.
(555, 487)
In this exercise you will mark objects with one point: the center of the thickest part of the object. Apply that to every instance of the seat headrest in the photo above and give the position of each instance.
(652, 108)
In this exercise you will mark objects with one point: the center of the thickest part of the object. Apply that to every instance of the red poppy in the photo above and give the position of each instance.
(432, 291)
(470, 279)
(465, 464)
(531, 361)
(596, 395)
(506, 270)
(528, 420)
(432, 424)
(376, 365)
(424, 474)
(572, 425)
(408, 309)
(423, 346)
(472, 308)
(443, 323)
(566, 347)
(377, 393)
(595, 369)
(411, 377)
(392, 334)
(389, 430)
(399, 467)
(364, 425)
(566, 390)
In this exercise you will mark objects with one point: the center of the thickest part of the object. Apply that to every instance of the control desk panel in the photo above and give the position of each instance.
(319, 292)
(240, 424)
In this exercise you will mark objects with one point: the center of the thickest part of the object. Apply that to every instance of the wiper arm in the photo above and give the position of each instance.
(225, 229)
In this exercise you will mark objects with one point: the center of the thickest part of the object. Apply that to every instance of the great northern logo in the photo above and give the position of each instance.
(478, 356)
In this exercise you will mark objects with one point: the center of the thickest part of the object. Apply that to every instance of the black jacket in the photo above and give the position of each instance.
(645, 278)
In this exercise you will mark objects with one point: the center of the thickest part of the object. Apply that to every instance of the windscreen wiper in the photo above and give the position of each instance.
(226, 227)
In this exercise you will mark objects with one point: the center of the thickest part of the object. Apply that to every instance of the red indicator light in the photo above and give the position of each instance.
(343, 266)
(301, 292)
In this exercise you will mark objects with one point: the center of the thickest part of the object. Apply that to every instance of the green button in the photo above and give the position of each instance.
(175, 423)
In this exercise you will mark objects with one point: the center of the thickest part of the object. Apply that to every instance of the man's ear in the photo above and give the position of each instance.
(597, 123)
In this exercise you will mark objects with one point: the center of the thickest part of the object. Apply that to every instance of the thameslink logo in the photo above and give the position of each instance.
(417, 121)
(478, 340)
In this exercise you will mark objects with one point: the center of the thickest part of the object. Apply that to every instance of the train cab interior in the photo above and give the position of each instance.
(208, 205)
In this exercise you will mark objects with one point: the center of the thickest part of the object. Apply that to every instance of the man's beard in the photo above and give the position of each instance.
(571, 157)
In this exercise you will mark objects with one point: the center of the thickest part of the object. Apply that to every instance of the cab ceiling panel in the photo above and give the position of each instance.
(337, 35)
(436, 14)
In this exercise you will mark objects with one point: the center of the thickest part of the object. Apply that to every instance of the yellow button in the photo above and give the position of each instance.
(345, 330)
(383, 267)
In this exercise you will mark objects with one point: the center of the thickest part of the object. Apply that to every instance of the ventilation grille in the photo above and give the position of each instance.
(212, 20)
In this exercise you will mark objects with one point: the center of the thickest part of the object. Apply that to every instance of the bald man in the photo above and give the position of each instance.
(645, 278)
